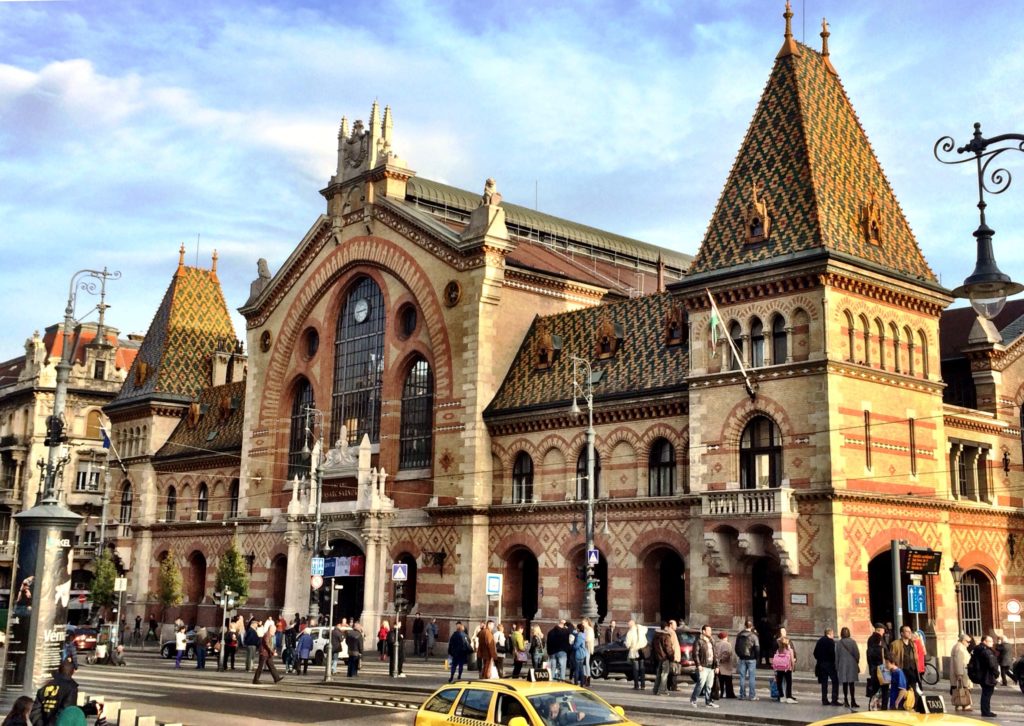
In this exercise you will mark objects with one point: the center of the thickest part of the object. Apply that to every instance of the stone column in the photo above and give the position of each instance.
(296, 586)
(376, 533)
(789, 343)
(955, 452)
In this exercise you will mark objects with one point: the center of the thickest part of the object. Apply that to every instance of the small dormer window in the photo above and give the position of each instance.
(99, 372)
(756, 227)
(675, 326)
(871, 220)
(608, 339)
(758, 215)
(547, 347)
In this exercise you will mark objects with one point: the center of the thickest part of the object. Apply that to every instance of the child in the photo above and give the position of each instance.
(897, 685)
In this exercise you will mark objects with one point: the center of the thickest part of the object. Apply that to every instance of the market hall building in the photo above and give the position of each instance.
(758, 471)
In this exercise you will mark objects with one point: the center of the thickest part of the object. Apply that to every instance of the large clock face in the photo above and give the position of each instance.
(360, 309)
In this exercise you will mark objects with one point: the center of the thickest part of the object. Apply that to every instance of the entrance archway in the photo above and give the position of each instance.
(349, 601)
(279, 581)
(767, 604)
(663, 583)
(521, 583)
(880, 593)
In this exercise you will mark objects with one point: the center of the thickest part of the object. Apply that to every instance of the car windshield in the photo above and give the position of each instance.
(572, 707)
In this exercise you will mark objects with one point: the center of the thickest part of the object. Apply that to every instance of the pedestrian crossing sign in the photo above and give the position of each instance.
(593, 557)
(399, 572)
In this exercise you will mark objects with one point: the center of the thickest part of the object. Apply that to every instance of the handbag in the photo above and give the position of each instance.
(676, 668)
(521, 656)
(492, 672)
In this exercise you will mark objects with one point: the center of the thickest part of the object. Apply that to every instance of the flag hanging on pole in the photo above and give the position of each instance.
(716, 321)
(106, 439)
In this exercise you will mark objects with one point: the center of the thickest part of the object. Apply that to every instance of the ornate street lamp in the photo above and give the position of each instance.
(958, 574)
(987, 287)
(586, 390)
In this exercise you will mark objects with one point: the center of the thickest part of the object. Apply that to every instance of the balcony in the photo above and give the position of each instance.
(85, 552)
(9, 495)
(748, 503)
(7, 550)
(10, 441)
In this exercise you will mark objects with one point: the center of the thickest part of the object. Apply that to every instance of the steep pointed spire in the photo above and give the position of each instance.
(387, 123)
(374, 116)
(789, 46)
(181, 258)
(343, 129)
(214, 268)
(824, 47)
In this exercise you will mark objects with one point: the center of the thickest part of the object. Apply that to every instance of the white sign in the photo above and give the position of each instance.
(316, 566)
(1013, 618)
(120, 584)
(593, 557)
(1013, 607)
(494, 582)
(316, 582)
(399, 572)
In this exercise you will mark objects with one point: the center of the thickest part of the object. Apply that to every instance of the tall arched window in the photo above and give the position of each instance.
(865, 331)
(522, 478)
(779, 346)
(417, 427)
(851, 338)
(581, 474)
(661, 472)
(92, 425)
(298, 462)
(359, 364)
(736, 334)
(172, 504)
(760, 454)
(202, 502)
(233, 499)
(125, 519)
(756, 343)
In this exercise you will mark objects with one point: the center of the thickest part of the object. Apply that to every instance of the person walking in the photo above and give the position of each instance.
(707, 667)
(230, 645)
(251, 643)
(959, 683)
(537, 652)
(486, 650)
(677, 659)
(458, 651)
(354, 642)
(337, 643)
(137, 632)
(636, 643)
(180, 644)
(579, 651)
(984, 664)
(202, 642)
(783, 663)
(1005, 656)
(590, 637)
(518, 648)
(726, 668)
(382, 638)
(431, 634)
(876, 651)
(848, 667)
(266, 652)
(558, 648)
(662, 648)
(500, 648)
(748, 652)
(825, 667)
(304, 651)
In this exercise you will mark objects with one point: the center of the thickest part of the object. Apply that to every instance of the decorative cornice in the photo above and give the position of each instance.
(864, 287)
(947, 505)
(860, 371)
(555, 418)
(256, 316)
(966, 423)
(697, 300)
(197, 462)
(562, 289)
(558, 511)
(424, 239)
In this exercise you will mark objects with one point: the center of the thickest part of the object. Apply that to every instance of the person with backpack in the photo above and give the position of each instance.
(636, 644)
(458, 651)
(748, 652)
(783, 663)
(983, 669)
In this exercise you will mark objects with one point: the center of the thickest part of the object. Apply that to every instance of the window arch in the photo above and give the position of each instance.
(865, 329)
(92, 425)
(976, 603)
(202, 502)
(233, 499)
(581, 474)
(126, 509)
(894, 333)
(736, 334)
(661, 471)
(880, 334)
(910, 350)
(359, 364)
(923, 343)
(779, 347)
(760, 454)
(172, 504)
(756, 343)
(851, 337)
(298, 462)
(417, 427)
(522, 478)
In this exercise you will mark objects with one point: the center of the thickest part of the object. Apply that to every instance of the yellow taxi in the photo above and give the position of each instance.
(899, 718)
(517, 703)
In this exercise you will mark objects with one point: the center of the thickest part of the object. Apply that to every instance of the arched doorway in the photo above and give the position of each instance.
(766, 593)
(279, 581)
(880, 594)
(663, 586)
(521, 584)
(195, 587)
(349, 602)
(976, 603)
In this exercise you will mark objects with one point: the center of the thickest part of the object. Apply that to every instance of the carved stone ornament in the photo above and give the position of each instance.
(452, 293)
(224, 408)
(194, 412)
(265, 340)
(357, 146)
(871, 220)
(758, 215)
(543, 347)
(675, 326)
(490, 195)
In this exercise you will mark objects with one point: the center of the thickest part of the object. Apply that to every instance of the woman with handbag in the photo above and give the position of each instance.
(501, 649)
(848, 667)
(959, 683)
(537, 652)
(519, 655)
(783, 662)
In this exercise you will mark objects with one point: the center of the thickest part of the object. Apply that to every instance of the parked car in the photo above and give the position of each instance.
(169, 648)
(321, 637)
(613, 657)
(85, 638)
(517, 703)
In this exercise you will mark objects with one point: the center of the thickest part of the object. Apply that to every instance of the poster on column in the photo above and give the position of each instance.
(20, 619)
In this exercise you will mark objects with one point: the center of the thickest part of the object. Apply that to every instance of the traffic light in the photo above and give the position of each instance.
(54, 431)
(592, 582)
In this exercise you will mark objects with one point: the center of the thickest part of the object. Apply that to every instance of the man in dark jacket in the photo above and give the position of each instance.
(876, 651)
(558, 650)
(56, 694)
(251, 643)
(663, 654)
(825, 666)
(747, 650)
(354, 641)
(417, 635)
(1005, 656)
(987, 665)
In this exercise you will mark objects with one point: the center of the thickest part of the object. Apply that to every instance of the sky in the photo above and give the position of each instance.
(130, 128)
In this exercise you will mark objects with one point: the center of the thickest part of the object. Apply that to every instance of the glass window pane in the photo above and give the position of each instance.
(359, 364)
(417, 417)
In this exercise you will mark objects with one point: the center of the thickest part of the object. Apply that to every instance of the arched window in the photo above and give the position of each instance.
(172, 504)
(298, 462)
(923, 344)
(756, 343)
(125, 519)
(202, 502)
(581, 474)
(359, 364)
(851, 335)
(865, 329)
(522, 478)
(909, 336)
(894, 333)
(736, 333)
(92, 425)
(233, 499)
(778, 340)
(661, 471)
(760, 454)
(417, 427)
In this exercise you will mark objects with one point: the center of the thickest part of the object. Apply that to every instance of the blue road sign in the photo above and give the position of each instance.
(915, 599)
(494, 584)
(593, 557)
(399, 572)
(316, 566)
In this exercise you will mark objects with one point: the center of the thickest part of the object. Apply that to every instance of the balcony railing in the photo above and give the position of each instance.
(85, 552)
(748, 503)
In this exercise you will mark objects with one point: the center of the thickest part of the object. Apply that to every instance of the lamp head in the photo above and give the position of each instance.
(987, 287)
(574, 410)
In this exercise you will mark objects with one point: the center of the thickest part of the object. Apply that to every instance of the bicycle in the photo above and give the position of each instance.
(931, 672)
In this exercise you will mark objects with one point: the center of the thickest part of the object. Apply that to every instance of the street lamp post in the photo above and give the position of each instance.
(587, 393)
(987, 287)
(958, 573)
(315, 423)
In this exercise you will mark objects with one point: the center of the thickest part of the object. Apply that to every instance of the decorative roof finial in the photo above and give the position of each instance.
(181, 257)
(343, 128)
(214, 268)
(824, 46)
(789, 46)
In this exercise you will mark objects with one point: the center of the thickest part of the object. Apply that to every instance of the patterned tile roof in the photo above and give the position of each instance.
(218, 428)
(643, 363)
(191, 323)
(820, 176)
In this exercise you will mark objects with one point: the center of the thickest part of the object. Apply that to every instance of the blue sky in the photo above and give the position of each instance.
(127, 129)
